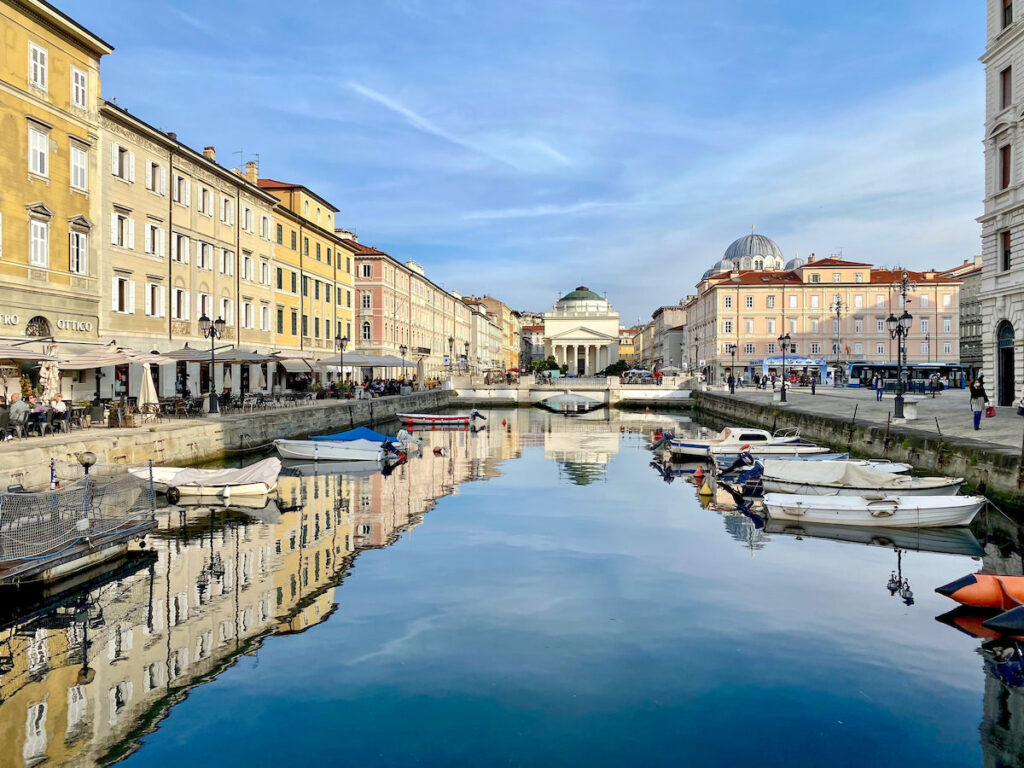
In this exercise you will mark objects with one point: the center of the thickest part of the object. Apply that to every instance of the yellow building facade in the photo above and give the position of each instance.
(312, 272)
(50, 200)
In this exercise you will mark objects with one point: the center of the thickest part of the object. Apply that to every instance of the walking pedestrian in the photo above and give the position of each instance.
(979, 399)
(732, 384)
(879, 384)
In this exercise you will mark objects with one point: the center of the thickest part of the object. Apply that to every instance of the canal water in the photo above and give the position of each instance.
(533, 594)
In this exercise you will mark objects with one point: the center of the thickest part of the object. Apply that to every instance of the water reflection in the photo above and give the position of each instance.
(83, 677)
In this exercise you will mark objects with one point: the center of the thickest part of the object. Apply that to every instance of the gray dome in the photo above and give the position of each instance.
(795, 263)
(722, 265)
(753, 245)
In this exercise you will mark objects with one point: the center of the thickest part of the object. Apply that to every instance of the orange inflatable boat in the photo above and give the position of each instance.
(986, 590)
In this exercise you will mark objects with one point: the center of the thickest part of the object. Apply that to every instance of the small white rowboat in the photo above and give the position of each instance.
(876, 510)
(841, 478)
(257, 479)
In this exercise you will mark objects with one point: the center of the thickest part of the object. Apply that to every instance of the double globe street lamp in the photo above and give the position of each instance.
(212, 330)
(899, 329)
(784, 342)
(340, 344)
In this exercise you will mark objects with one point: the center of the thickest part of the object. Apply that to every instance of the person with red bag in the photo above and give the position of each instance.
(979, 400)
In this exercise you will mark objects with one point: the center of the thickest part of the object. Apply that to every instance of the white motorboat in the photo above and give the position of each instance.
(951, 541)
(360, 444)
(877, 510)
(794, 450)
(325, 450)
(842, 478)
(257, 480)
(731, 440)
(440, 419)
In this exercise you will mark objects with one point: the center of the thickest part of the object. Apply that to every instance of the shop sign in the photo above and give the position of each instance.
(63, 323)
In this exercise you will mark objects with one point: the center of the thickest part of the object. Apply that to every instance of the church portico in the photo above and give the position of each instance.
(582, 333)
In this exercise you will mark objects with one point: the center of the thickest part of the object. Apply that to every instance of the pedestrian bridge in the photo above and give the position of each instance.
(673, 392)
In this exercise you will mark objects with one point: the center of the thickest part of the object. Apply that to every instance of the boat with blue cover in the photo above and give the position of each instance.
(360, 444)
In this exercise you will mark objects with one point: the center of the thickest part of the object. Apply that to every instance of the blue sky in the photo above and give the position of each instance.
(524, 148)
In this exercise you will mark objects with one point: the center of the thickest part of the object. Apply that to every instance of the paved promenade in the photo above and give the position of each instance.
(951, 408)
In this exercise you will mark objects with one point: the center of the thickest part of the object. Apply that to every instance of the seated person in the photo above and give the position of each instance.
(58, 404)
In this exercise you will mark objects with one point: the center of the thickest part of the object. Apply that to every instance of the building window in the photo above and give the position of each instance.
(727, 302)
(858, 348)
(837, 277)
(247, 315)
(294, 240)
(858, 326)
(247, 269)
(122, 230)
(947, 299)
(122, 298)
(947, 347)
(37, 77)
(348, 265)
(78, 253)
(924, 347)
(280, 280)
(815, 348)
(365, 299)
(1005, 158)
(154, 300)
(366, 331)
(181, 248)
(227, 262)
(264, 273)
(305, 288)
(79, 168)
(880, 348)
(180, 304)
(316, 327)
(181, 192)
(280, 235)
(305, 325)
(748, 349)
(924, 325)
(770, 302)
(295, 323)
(814, 301)
(815, 277)
(227, 310)
(748, 326)
(368, 271)
(205, 201)
(156, 178)
(317, 250)
(294, 278)
(858, 301)
(858, 277)
(327, 292)
(227, 211)
(770, 326)
(727, 326)
(328, 257)
(280, 320)
(38, 152)
(1006, 87)
(947, 325)
(265, 227)
(879, 299)
(792, 301)
(770, 348)
(879, 326)
(814, 326)
(1007, 13)
(748, 302)
(264, 318)
(348, 299)
(316, 290)
(1004, 239)
(924, 299)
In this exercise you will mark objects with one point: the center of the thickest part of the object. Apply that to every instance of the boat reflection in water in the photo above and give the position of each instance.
(220, 579)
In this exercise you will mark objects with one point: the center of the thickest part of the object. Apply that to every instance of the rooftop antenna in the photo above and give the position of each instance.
(241, 157)
(752, 226)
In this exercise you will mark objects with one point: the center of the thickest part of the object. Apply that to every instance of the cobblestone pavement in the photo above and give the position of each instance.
(950, 409)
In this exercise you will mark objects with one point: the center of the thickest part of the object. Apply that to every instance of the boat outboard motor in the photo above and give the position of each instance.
(742, 462)
(475, 414)
(666, 437)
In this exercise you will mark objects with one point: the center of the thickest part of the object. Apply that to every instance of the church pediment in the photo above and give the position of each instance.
(582, 332)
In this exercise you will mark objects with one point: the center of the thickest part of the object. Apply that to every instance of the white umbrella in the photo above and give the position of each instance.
(148, 400)
(49, 376)
(261, 381)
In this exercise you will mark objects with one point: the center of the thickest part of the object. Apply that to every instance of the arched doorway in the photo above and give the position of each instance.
(1007, 384)
(38, 327)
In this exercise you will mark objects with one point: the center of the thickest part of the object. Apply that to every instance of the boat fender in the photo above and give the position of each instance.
(173, 495)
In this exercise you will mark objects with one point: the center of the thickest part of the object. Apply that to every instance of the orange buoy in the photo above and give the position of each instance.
(986, 590)
(647, 410)
(699, 474)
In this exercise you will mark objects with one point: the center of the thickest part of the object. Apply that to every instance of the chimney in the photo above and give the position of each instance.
(810, 258)
(172, 135)
(210, 153)
(252, 171)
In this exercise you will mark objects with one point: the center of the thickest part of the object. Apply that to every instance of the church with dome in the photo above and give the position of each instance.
(582, 332)
(751, 252)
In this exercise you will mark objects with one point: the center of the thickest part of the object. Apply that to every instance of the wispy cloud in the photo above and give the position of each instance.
(191, 21)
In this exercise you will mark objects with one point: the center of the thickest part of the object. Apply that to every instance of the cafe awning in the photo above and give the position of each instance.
(295, 364)
(103, 357)
(22, 353)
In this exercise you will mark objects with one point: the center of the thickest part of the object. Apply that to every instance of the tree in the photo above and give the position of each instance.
(547, 364)
(617, 368)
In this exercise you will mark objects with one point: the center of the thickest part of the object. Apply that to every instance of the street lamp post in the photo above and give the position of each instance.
(451, 353)
(899, 330)
(403, 350)
(731, 349)
(340, 343)
(466, 345)
(784, 343)
(837, 307)
(213, 331)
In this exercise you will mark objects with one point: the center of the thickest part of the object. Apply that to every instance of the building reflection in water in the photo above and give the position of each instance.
(218, 581)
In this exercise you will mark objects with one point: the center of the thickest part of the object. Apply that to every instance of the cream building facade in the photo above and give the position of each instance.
(582, 332)
(834, 311)
(1002, 223)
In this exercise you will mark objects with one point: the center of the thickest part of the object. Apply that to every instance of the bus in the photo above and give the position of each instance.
(918, 375)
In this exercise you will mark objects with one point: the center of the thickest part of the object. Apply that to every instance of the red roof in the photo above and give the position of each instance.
(361, 249)
(875, 277)
(892, 275)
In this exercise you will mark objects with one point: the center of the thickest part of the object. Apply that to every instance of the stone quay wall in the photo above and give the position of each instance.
(186, 442)
(996, 471)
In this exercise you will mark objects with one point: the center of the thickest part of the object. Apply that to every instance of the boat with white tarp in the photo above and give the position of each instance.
(733, 440)
(259, 479)
(843, 478)
(360, 444)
